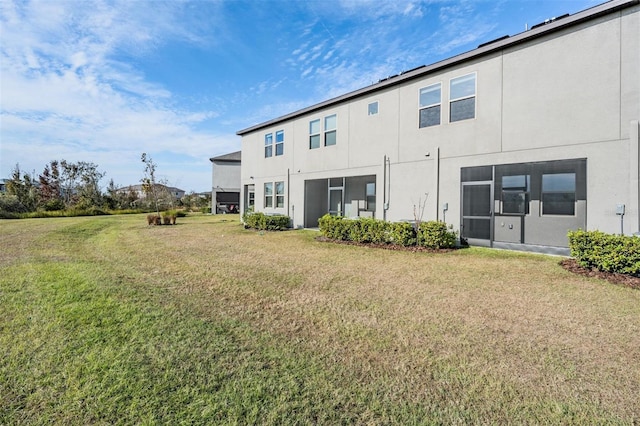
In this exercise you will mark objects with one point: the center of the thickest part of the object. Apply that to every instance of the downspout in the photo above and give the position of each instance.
(634, 167)
(288, 192)
(384, 189)
(437, 183)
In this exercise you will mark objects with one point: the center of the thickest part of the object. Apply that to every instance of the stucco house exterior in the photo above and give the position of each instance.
(513, 143)
(225, 183)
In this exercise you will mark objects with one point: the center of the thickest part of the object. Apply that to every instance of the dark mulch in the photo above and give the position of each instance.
(619, 279)
(385, 246)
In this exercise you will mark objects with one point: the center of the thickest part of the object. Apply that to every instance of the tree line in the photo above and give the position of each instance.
(65, 185)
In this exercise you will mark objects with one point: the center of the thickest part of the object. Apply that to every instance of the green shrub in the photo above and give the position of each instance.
(266, 223)
(435, 234)
(606, 252)
(334, 227)
(402, 234)
(11, 204)
(368, 230)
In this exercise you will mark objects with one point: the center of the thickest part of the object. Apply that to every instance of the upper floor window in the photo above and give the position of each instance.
(314, 134)
(559, 194)
(280, 142)
(372, 108)
(268, 145)
(430, 105)
(462, 97)
(330, 130)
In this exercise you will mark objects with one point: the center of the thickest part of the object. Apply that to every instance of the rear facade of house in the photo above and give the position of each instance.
(513, 144)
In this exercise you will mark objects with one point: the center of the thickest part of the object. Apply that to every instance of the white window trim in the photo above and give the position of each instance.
(369, 114)
(475, 96)
(276, 143)
(318, 133)
(266, 145)
(334, 129)
(421, 107)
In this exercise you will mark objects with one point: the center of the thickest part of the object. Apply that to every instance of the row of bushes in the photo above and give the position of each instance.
(263, 222)
(432, 234)
(606, 252)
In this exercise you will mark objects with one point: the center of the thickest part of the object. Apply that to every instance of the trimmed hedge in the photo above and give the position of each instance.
(431, 234)
(606, 252)
(435, 235)
(264, 222)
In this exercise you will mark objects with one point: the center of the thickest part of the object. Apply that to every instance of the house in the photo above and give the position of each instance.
(513, 143)
(3, 185)
(171, 191)
(225, 183)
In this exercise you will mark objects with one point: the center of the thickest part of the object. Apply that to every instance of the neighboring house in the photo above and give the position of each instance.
(225, 183)
(175, 193)
(513, 143)
(3, 185)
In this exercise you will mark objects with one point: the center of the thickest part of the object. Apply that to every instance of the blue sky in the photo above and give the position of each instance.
(105, 81)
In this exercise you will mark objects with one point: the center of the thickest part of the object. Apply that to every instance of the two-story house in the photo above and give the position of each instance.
(513, 143)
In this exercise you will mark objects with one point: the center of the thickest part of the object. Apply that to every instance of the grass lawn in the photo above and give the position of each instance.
(105, 320)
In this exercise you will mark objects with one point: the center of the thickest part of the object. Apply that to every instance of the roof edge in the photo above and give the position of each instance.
(483, 49)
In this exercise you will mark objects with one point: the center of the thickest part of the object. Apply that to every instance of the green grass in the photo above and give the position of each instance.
(105, 320)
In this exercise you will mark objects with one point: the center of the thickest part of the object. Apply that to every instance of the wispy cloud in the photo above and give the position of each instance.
(63, 75)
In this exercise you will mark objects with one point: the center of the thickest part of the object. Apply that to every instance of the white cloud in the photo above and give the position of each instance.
(66, 94)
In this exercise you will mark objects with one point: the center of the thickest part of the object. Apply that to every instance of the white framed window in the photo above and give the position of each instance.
(559, 194)
(462, 97)
(371, 196)
(372, 108)
(314, 134)
(279, 194)
(330, 130)
(280, 142)
(268, 145)
(268, 194)
(430, 105)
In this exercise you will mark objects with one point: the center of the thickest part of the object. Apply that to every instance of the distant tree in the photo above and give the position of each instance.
(149, 185)
(79, 184)
(50, 195)
(22, 186)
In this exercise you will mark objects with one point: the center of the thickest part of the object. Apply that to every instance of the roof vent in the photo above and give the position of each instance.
(549, 21)
(493, 41)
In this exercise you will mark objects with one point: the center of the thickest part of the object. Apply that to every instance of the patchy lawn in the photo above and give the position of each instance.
(107, 320)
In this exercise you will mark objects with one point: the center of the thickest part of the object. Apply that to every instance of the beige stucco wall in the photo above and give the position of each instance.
(570, 94)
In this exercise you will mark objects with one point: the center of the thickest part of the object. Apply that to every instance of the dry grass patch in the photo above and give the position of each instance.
(465, 336)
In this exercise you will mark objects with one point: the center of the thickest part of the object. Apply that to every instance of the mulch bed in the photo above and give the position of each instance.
(385, 246)
(619, 279)
(569, 264)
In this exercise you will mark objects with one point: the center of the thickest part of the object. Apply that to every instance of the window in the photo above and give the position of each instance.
(462, 94)
(279, 194)
(515, 194)
(268, 145)
(330, 130)
(314, 134)
(280, 142)
(268, 194)
(559, 194)
(372, 109)
(371, 196)
(430, 100)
